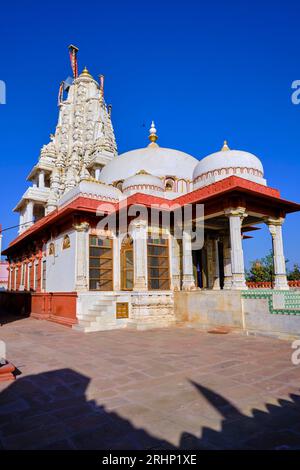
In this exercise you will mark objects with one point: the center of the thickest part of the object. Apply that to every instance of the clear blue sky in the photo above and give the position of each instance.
(205, 71)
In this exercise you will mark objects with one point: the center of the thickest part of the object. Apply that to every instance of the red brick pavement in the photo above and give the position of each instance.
(167, 388)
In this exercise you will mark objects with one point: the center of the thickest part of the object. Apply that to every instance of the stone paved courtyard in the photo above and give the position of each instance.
(160, 389)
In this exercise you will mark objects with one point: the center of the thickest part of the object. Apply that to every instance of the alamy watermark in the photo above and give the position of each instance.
(295, 97)
(2, 92)
(296, 354)
(185, 223)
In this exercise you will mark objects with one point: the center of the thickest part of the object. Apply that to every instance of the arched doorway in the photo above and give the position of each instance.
(127, 267)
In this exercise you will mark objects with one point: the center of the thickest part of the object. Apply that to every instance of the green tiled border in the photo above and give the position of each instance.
(291, 298)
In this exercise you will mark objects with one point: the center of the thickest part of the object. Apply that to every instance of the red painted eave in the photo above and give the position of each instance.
(237, 184)
(201, 195)
(81, 204)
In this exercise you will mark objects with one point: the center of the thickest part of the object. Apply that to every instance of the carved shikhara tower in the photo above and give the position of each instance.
(83, 143)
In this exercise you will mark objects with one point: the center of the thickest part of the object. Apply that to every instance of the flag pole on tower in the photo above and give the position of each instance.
(101, 81)
(73, 58)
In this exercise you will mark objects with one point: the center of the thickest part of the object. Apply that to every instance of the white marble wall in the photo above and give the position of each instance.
(60, 268)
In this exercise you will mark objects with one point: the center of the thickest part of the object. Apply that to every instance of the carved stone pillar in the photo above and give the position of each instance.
(175, 263)
(236, 217)
(139, 233)
(116, 261)
(21, 223)
(81, 276)
(29, 214)
(227, 263)
(9, 278)
(41, 179)
(216, 282)
(97, 173)
(210, 262)
(275, 227)
(188, 280)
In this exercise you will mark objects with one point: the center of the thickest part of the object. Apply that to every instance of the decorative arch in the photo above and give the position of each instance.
(119, 184)
(169, 184)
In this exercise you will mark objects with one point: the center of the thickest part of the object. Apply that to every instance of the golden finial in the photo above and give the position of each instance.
(152, 136)
(225, 146)
(85, 73)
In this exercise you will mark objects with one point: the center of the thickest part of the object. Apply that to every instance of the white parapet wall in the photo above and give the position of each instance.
(207, 308)
(267, 312)
(272, 312)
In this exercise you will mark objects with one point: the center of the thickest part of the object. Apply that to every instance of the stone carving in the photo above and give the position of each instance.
(66, 242)
(84, 137)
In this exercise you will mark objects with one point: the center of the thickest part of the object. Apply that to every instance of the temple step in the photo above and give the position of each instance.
(100, 317)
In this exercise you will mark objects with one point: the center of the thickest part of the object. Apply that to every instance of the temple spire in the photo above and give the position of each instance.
(152, 134)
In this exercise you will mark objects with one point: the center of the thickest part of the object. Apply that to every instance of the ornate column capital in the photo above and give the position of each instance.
(82, 227)
(236, 212)
(272, 224)
(139, 224)
(274, 221)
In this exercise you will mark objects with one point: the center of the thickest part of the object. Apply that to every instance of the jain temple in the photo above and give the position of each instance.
(94, 252)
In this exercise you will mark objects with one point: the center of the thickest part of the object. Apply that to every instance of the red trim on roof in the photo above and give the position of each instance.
(227, 185)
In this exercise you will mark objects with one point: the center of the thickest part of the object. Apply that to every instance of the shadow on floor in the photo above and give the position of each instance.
(14, 306)
(50, 411)
(6, 317)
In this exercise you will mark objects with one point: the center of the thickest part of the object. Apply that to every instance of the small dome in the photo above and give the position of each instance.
(220, 165)
(153, 159)
(143, 182)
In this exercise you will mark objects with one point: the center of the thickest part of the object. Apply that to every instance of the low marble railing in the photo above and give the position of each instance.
(268, 285)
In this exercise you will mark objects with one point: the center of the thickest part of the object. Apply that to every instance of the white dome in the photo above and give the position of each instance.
(143, 182)
(157, 161)
(220, 165)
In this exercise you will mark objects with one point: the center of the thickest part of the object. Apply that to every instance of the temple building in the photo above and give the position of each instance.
(91, 276)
